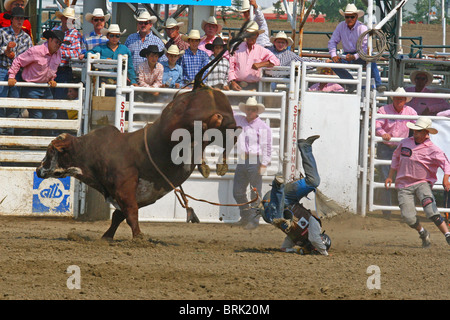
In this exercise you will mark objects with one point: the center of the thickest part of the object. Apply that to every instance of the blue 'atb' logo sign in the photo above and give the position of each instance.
(51, 195)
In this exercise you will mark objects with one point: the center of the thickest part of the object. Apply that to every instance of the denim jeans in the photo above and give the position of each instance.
(8, 92)
(38, 93)
(291, 193)
(344, 74)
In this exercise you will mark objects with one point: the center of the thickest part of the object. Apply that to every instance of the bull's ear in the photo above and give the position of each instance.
(62, 142)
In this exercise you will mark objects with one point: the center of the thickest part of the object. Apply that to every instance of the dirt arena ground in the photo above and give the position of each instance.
(179, 261)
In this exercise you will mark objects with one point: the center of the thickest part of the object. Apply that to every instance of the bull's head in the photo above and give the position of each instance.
(57, 162)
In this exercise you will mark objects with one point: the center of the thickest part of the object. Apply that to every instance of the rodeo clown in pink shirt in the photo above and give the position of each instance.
(416, 161)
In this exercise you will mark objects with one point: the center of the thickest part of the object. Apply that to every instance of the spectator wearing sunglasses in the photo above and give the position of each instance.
(143, 38)
(9, 5)
(95, 38)
(348, 32)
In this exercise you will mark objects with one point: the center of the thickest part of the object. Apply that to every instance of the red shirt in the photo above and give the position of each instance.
(6, 23)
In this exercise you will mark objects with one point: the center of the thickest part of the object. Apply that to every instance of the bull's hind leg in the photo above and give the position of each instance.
(116, 220)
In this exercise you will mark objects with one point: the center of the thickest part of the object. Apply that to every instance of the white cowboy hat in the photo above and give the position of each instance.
(171, 23)
(193, 34)
(282, 35)
(173, 49)
(145, 16)
(253, 27)
(8, 4)
(245, 6)
(113, 28)
(423, 123)
(212, 20)
(415, 73)
(98, 13)
(251, 102)
(401, 90)
(351, 9)
(68, 12)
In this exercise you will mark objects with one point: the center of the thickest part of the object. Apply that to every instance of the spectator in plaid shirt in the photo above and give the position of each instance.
(68, 52)
(13, 42)
(172, 28)
(193, 59)
(143, 38)
(6, 22)
(218, 78)
(95, 38)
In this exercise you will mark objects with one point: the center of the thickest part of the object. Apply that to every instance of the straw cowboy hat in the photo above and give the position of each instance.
(218, 41)
(253, 28)
(245, 6)
(193, 34)
(251, 102)
(423, 123)
(173, 49)
(150, 49)
(414, 74)
(68, 12)
(212, 20)
(8, 4)
(282, 35)
(113, 28)
(351, 9)
(145, 16)
(171, 23)
(401, 90)
(98, 13)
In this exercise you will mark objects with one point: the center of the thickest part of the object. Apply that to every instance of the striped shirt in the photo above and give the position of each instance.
(182, 45)
(192, 63)
(287, 56)
(263, 38)
(150, 78)
(348, 37)
(22, 40)
(93, 40)
(219, 75)
(135, 44)
(72, 50)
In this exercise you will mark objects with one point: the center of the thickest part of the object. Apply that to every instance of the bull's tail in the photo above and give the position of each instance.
(232, 45)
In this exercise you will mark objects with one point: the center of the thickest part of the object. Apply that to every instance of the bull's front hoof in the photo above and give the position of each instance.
(191, 216)
(204, 170)
(221, 169)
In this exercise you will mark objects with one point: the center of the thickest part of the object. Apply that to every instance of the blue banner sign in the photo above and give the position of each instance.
(217, 3)
(51, 195)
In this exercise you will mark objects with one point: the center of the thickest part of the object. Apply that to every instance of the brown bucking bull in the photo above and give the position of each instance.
(133, 170)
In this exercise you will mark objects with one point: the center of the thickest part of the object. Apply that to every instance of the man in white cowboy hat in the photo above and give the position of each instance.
(173, 73)
(193, 59)
(388, 129)
(172, 28)
(143, 38)
(421, 79)
(254, 148)
(98, 19)
(263, 39)
(414, 164)
(248, 59)
(73, 50)
(347, 32)
(9, 5)
(211, 28)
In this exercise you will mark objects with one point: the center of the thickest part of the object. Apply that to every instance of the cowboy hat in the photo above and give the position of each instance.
(145, 16)
(173, 49)
(253, 28)
(212, 20)
(423, 123)
(113, 28)
(321, 69)
(150, 49)
(415, 73)
(351, 9)
(245, 6)
(58, 34)
(401, 90)
(171, 23)
(8, 4)
(16, 12)
(282, 35)
(68, 12)
(98, 12)
(217, 42)
(193, 34)
(251, 102)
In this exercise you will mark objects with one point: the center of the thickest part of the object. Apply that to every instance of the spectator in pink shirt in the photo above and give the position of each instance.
(425, 106)
(324, 86)
(247, 61)
(211, 29)
(387, 129)
(415, 163)
(150, 72)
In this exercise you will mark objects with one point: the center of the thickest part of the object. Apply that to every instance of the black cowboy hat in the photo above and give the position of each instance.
(16, 12)
(217, 42)
(150, 49)
(58, 34)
